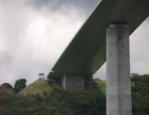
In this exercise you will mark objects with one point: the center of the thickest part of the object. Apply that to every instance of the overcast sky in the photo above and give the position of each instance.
(34, 33)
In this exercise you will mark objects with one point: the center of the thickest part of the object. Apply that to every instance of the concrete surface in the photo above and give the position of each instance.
(73, 83)
(118, 70)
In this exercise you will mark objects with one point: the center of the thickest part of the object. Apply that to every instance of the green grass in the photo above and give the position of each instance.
(42, 86)
(59, 102)
(39, 87)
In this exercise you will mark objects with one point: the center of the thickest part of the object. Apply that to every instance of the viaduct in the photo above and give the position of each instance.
(104, 37)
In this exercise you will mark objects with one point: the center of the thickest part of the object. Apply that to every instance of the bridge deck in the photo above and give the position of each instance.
(86, 52)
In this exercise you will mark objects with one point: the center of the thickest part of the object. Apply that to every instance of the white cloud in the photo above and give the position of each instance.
(33, 39)
(139, 45)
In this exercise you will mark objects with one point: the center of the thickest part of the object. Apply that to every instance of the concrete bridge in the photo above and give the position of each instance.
(104, 37)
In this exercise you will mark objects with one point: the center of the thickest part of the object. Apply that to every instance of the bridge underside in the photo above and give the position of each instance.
(90, 49)
(87, 51)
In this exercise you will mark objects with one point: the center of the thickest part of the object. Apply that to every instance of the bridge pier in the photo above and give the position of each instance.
(73, 83)
(118, 70)
(77, 83)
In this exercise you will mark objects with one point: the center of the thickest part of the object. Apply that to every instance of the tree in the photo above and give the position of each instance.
(19, 85)
(6, 85)
(134, 74)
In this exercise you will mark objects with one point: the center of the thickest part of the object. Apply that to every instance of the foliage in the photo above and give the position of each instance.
(36, 100)
(39, 87)
(140, 94)
(19, 85)
(6, 85)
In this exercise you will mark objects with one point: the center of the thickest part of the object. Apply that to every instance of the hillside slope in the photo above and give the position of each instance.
(40, 98)
(39, 87)
(140, 95)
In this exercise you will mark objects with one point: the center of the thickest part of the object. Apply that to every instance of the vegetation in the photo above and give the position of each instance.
(140, 94)
(19, 85)
(40, 98)
(6, 85)
(39, 87)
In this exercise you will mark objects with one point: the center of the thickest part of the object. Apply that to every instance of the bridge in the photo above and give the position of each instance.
(104, 37)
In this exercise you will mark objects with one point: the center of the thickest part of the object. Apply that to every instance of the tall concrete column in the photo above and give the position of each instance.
(118, 70)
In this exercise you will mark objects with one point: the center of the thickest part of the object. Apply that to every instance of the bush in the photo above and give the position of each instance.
(6, 85)
(19, 85)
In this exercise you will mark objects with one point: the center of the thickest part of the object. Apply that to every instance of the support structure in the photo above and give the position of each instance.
(118, 70)
(73, 83)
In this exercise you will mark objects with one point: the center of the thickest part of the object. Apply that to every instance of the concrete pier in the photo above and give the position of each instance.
(73, 83)
(118, 70)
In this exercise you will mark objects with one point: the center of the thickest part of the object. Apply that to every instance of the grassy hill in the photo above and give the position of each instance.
(40, 98)
(39, 87)
(140, 95)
